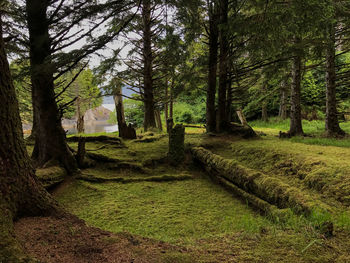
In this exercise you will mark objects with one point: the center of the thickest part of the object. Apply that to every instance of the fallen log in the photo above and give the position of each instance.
(267, 188)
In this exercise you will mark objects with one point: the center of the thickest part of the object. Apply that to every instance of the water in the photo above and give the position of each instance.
(93, 127)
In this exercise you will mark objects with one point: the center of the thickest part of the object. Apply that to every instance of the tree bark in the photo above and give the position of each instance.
(20, 192)
(166, 103)
(212, 67)
(332, 123)
(119, 110)
(50, 136)
(149, 119)
(229, 102)
(241, 117)
(264, 116)
(221, 121)
(171, 102)
(283, 101)
(80, 117)
(295, 110)
(158, 120)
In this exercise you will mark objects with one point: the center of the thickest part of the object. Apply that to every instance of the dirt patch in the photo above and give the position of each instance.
(65, 240)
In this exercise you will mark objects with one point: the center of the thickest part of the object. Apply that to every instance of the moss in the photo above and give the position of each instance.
(176, 211)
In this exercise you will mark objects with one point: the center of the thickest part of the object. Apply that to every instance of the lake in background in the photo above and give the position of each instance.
(92, 127)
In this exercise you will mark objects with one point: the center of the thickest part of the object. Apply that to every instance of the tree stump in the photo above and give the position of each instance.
(127, 132)
(81, 152)
(176, 153)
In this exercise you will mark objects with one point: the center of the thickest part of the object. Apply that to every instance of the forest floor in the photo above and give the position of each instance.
(139, 209)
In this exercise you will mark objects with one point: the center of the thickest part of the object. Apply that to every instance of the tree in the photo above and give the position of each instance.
(213, 33)
(50, 137)
(221, 122)
(48, 62)
(20, 192)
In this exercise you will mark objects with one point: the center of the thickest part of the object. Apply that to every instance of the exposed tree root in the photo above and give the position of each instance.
(164, 178)
(101, 138)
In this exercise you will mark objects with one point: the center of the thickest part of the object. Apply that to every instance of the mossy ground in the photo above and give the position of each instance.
(199, 215)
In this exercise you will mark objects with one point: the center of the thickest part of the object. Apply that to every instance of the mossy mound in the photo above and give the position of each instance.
(310, 167)
(51, 176)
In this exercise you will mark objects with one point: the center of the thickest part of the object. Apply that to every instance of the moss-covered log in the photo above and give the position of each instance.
(263, 186)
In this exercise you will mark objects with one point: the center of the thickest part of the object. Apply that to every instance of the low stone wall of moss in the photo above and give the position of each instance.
(263, 186)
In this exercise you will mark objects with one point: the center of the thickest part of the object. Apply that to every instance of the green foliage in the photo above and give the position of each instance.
(186, 112)
(133, 110)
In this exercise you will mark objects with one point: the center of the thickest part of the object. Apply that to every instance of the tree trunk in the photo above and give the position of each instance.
(241, 117)
(20, 192)
(119, 110)
(283, 101)
(229, 102)
(212, 68)
(50, 136)
(264, 115)
(149, 120)
(295, 110)
(171, 105)
(166, 103)
(221, 121)
(332, 123)
(80, 117)
(158, 120)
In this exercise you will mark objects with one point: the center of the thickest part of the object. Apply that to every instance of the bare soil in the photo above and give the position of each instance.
(64, 240)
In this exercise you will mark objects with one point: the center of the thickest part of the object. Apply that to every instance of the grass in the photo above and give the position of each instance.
(311, 127)
(314, 128)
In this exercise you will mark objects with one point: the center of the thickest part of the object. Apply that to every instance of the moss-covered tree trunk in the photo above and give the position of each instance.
(176, 153)
(212, 67)
(20, 193)
(332, 123)
(295, 101)
(50, 137)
